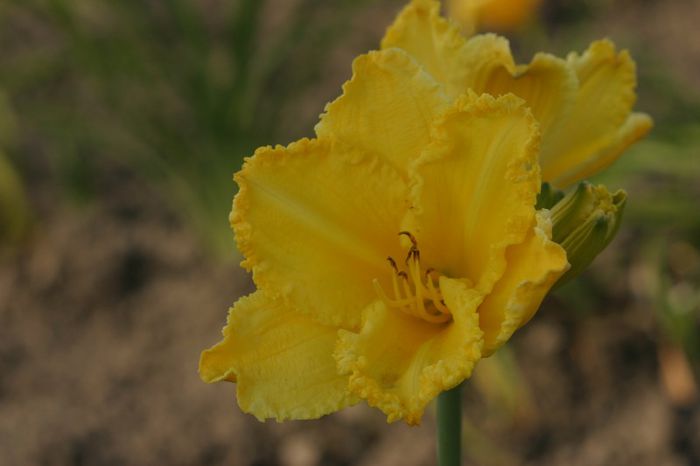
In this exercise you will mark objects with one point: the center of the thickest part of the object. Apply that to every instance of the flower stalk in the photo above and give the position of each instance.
(449, 427)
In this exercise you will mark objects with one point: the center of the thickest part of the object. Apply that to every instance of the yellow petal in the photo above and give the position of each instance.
(533, 268)
(474, 188)
(547, 84)
(465, 13)
(635, 128)
(603, 103)
(581, 103)
(433, 41)
(483, 63)
(399, 363)
(316, 222)
(386, 108)
(282, 362)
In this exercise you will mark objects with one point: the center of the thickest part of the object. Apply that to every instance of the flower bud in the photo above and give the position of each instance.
(548, 197)
(584, 222)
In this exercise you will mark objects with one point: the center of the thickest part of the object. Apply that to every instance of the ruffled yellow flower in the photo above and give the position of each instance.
(402, 244)
(390, 253)
(500, 15)
(583, 103)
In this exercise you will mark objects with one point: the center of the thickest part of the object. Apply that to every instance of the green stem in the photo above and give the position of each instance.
(449, 427)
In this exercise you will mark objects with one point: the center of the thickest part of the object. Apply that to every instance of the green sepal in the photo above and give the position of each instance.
(584, 222)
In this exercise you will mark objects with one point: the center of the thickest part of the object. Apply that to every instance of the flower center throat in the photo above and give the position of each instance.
(415, 292)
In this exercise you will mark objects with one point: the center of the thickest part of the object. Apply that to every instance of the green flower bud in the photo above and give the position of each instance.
(584, 222)
(548, 197)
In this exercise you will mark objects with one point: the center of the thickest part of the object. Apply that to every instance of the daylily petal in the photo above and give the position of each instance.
(316, 222)
(603, 103)
(434, 42)
(547, 84)
(386, 108)
(464, 13)
(635, 128)
(483, 63)
(533, 268)
(399, 363)
(281, 361)
(581, 103)
(474, 188)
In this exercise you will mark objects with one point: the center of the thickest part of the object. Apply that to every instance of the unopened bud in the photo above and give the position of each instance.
(548, 197)
(584, 222)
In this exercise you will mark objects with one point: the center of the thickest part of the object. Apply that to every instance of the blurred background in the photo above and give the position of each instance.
(121, 123)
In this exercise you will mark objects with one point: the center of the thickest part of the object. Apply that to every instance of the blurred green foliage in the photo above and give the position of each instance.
(14, 209)
(662, 176)
(179, 90)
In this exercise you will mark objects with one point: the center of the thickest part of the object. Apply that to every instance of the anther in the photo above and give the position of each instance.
(393, 264)
(413, 253)
(410, 237)
(415, 295)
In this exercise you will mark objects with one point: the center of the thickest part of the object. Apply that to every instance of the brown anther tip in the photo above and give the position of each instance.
(402, 274)
(429, 271)
(410, 237)
(393, 263)
(412, 254)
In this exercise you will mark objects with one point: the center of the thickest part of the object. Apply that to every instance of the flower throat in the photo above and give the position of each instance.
(415, 292)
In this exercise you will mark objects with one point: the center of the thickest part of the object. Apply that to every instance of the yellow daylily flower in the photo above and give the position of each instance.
(500, 15)
(390, 253)
(583, 103)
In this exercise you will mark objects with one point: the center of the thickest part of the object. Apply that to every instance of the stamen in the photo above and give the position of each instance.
(413, 254)
(417, 295)
(410, 236)
(407, 288)
(395, 286)
(391, 302)
(437, 299)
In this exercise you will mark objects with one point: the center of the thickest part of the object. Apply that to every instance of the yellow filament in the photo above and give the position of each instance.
(410, 296)
(435, 296)
(390, 302)
(395, 284)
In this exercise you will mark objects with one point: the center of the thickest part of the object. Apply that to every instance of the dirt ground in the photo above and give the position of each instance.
(103, 315)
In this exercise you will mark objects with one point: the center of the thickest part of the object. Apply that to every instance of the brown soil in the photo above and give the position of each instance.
(103, 315)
